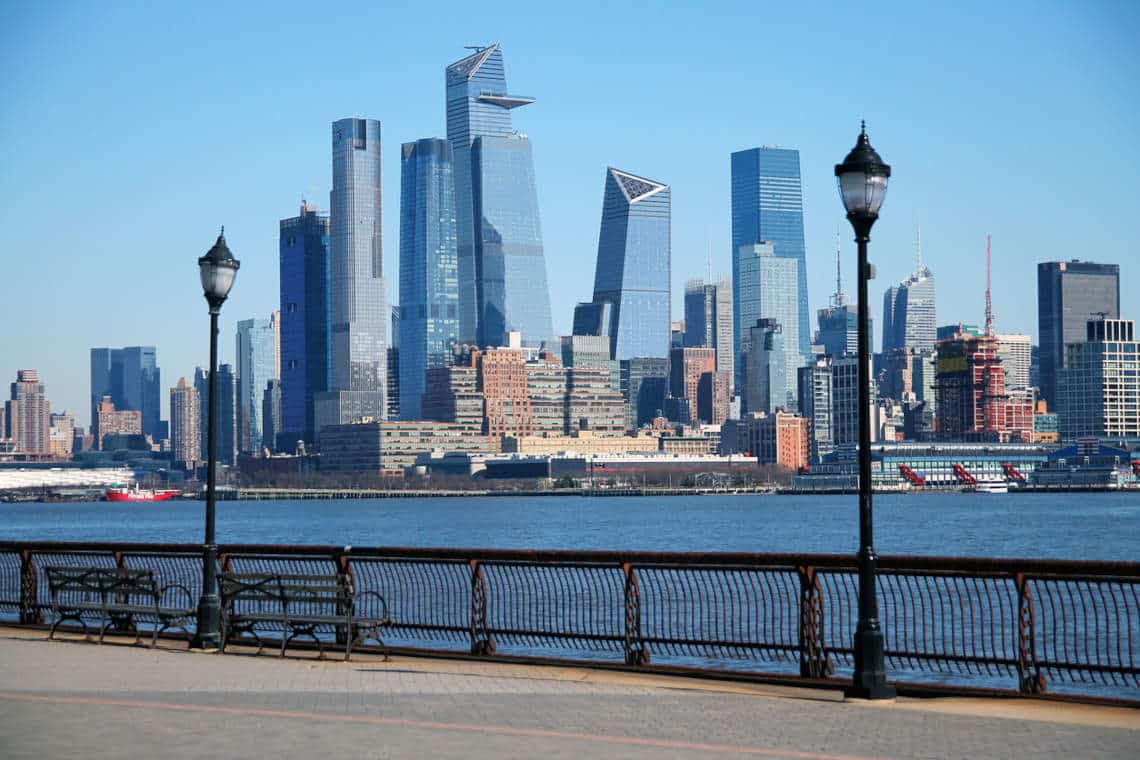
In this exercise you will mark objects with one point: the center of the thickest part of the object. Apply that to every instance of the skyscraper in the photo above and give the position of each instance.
(815, 383)
(306, 368)
(909, 313)
(185, 425)
(839, 323)
(130, 376)
(429, 269)
(358, 309)
(767, 206)
(28, 415)
(500, 262)
(631, 277)
(1099, 386)
(226, 436)
(765, 376)
(768, 290)
(890, 334)
(643, 384)
(1069, 294)
(708, 320)
(256, 350)
(1015, 354)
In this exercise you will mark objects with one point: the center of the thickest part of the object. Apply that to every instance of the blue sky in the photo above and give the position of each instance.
(129, 133)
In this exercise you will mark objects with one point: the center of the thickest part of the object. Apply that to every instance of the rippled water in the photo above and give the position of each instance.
(1100, 526)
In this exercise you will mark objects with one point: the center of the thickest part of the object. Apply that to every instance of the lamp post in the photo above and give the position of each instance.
(217, 269)
(862, 185)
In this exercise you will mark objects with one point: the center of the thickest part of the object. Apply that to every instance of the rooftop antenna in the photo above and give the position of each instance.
(708, 241)
(918, 247)
(839, 299)
(989, 304)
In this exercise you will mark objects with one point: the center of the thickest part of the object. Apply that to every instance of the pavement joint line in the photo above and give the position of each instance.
(725, 749)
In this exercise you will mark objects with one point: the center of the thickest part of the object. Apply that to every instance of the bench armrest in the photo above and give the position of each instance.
(180, 591)
(383, 612)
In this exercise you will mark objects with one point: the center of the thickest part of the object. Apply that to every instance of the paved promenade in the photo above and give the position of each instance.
(69, 699)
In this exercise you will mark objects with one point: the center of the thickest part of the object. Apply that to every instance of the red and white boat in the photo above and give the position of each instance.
(134, 493)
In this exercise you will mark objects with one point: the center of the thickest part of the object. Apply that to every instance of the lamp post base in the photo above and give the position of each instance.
(208, 634)
(870, 680)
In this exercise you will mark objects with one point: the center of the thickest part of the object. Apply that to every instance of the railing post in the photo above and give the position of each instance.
(814, 662)
(1030, 679)
(30, 612)
(344, 567)
(481, 642)
(636, 652)
(122, 623)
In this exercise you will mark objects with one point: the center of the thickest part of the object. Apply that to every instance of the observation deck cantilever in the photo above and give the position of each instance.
(505, 100)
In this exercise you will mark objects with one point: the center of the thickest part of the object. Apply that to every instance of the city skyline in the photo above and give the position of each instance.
(157, 249)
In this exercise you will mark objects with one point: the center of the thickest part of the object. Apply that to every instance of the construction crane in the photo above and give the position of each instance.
(989, 303)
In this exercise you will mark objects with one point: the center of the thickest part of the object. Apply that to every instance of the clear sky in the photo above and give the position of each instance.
(129, 133)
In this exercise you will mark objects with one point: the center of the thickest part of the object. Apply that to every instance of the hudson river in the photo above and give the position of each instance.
(1088, 526)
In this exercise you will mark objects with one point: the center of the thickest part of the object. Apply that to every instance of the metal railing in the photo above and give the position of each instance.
(1028, 626)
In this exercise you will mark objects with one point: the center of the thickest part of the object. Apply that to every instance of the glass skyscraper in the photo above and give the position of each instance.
(226, 437)
(708, 320)
(767, 206)
(256, 347)
(130, 376)
(631, 278)
(305, 328)
(501, 266)
(429, 268)
(1069, 294)
(909, 320)
(768, 290)
(358, 308)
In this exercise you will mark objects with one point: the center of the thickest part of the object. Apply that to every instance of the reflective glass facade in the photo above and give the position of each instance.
(1069, 293)
(358, 308)
(510, 268)
(631, 278)
(256, 351)
(769, 290)
(767, 205)
(429, 274)
(130, 376)
(911, 322)
(501, 268)
(306, 368)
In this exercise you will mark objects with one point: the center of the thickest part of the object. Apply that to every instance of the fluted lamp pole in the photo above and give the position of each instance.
(217, 269)
(863, 185)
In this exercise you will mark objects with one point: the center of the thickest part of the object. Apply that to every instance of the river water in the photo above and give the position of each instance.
(1087, 526)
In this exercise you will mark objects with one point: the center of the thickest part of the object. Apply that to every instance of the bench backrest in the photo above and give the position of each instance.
(106, 584)
(329, 594)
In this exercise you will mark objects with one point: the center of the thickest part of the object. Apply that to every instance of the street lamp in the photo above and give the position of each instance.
(217, 268)
(862, 185)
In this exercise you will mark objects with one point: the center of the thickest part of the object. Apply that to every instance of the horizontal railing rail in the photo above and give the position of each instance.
(1024, 625)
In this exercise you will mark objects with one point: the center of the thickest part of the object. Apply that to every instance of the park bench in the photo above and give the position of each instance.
(300, 606)
(121, 597)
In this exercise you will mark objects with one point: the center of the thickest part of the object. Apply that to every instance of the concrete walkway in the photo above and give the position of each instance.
(69, 699)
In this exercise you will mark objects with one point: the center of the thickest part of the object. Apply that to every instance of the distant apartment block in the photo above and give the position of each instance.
(112, 421)
(185, 420)
(1099, 386)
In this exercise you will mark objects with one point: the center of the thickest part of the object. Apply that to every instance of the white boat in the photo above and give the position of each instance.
(991, 486)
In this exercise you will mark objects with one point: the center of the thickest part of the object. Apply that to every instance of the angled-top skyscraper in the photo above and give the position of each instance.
(631, 278)
(358, 309)
(767, 206)
(502, 270)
